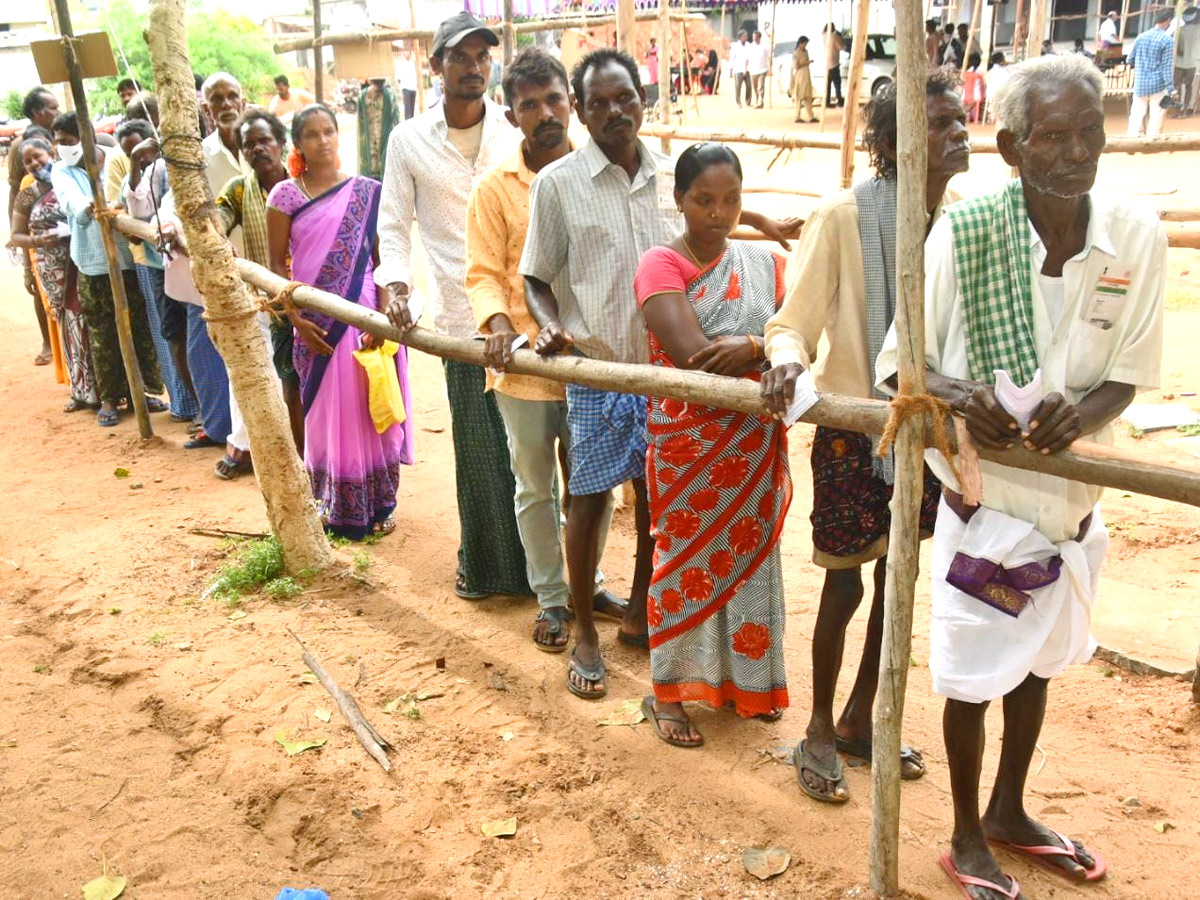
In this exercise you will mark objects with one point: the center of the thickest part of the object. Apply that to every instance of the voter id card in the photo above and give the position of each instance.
(1104, 307)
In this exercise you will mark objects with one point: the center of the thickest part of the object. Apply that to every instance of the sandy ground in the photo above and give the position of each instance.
(138, 721)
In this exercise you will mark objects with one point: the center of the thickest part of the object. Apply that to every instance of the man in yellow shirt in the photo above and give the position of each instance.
(288, 100)
(841, 281)
(534, 410)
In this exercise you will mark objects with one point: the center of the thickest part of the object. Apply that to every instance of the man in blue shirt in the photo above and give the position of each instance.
(74, 191)
(1152, 58)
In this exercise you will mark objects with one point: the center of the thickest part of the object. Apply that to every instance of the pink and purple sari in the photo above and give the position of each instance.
(354, 470)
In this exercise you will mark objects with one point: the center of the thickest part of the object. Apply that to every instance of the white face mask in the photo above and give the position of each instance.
(70, 154)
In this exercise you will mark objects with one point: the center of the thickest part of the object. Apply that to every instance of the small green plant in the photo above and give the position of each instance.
(114, 610)
(38, 670)
(362, 562)
(350, 659)
(1189, 430)
(256, 563)
(337, 542)
(282, 587)
(1136, 433)
(156, 639)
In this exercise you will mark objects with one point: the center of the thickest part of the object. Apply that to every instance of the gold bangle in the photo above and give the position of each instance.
(753, 346)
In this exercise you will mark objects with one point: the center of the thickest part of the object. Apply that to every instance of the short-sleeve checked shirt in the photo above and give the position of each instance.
(589, 225)
(1153, 63)
(74, 191)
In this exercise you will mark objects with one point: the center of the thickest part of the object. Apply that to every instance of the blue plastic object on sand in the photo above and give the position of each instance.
(306, 894)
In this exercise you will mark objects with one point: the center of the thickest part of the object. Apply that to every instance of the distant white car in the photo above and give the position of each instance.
(879, 68)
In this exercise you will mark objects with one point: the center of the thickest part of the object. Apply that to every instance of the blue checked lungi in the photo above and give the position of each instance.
(208, 376)
(608, 438)
(183, 403)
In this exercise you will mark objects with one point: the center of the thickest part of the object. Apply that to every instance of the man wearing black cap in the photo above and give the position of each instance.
(433, 160)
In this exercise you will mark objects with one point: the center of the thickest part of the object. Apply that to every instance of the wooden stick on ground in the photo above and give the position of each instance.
(371, 740)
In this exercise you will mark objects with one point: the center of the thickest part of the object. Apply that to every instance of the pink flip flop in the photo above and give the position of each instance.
(1038, 856)
(1011, 892)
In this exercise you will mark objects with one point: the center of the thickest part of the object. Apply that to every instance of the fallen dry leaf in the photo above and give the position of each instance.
(1163, 827)
(628, 712)
(237, 614)
(499, 827)
(106, 887)
(323, 714)
(766, 862)
(295, 747)
(429, 695)
(309, 678)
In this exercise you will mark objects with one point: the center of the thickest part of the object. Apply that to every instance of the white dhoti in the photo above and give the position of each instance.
(980, 650)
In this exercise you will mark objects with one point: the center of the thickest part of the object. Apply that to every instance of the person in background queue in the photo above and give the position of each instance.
(581, 256)
(288, 100)
(126, 90)
(534, 410)
(802, 85)
(40, 107)
(433, 160)
(378, 114)
(73, 188)
(1153, 70)
(718, 481)
(323, 221)
(842, 286)
(1060, 288)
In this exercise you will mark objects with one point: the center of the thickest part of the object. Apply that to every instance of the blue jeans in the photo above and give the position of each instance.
(208, 376)
(183, 402)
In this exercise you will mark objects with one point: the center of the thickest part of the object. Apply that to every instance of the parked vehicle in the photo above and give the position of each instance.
(879, 67)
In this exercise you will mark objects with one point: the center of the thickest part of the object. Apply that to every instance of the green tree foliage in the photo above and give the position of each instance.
(12, 104)
(218, 41)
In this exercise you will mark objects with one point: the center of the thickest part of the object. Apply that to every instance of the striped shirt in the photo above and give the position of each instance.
(1152, 61)
(589, 225)
(74, 191)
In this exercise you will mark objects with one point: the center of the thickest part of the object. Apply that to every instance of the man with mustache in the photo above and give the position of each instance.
(1054, 288)
(433, 160)
(533, 409)
(842, 283)
(592, 216)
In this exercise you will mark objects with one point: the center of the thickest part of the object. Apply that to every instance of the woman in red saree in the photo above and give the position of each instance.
(718, 480)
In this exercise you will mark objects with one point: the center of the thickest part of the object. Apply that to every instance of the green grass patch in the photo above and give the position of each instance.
(156, 639)
(282, 588)
(362, 562)
(255, 564)
(1189, 430)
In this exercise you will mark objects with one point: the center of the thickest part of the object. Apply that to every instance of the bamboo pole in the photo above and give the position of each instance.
(87, 137)
(318, 55)
(507, 36)
(1086, 462)
(1021, 29)
(794, 140)
(972, 33)
(362, 36)
(626, 28)
(419, 44)
(1124, 23)
(903, 549)
(825, 50)
(1037, 28)
(771, 63)
(684, 72)
(858, 56)
(664, 71)
(231, 313)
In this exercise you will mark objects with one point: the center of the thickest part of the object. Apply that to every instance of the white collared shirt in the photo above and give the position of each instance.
(221, 166)
(759, 57)
(1126, 247)
(429, 180)
(589, 224)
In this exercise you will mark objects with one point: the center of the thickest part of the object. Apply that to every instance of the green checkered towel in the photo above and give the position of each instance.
(991, 261)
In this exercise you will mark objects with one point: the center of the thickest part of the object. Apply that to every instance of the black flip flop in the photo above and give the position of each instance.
(604, 601)
(560, 624)
(594, 675)
(656, 717)
(637, 641)
(861, 748)
(460, 588)
(803, 760)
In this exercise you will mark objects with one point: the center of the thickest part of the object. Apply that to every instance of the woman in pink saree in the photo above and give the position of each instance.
(325, 221)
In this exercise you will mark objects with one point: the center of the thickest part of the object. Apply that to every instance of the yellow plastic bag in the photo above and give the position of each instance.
(383, 385)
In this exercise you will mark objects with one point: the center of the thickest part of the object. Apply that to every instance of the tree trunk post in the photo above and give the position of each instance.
(508, 37)
(902, 564)
(87, 137)
(664, 69)
(828, 37)
(972, 37)
(1037, 28)
(1124, 23)
(626, 29)
(858, 56)
(232, 324)
(1021, 29)
(318, 54)
(418, 52)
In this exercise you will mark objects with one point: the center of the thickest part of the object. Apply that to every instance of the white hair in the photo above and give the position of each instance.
(1012, 100)
(212, 80)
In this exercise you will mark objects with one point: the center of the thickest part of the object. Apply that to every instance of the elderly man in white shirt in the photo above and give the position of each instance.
(739, 67)
(1079, 328)
(433, 161)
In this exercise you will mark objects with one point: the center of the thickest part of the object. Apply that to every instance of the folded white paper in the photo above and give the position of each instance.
(803, 400)
(1020, 402)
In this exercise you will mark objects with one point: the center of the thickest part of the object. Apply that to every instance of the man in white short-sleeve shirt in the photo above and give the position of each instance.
(1078, 328)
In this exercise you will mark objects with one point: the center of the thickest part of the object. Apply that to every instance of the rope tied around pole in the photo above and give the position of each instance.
(907, 405)
(279, 306)
(176, 161)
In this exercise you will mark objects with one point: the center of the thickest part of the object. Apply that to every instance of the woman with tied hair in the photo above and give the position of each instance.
(324, 221)
(39, 225)
(718, 481)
